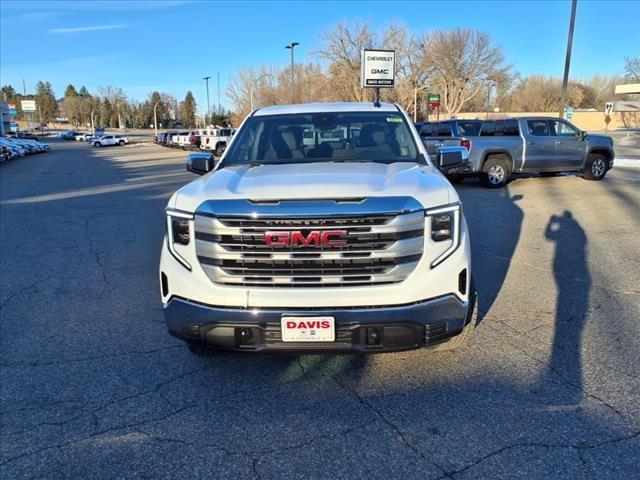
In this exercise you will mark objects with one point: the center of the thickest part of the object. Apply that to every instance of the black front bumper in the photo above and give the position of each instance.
(360, 329)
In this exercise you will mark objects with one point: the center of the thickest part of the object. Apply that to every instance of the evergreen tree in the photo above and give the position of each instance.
(84, 92)
(188, 110)
(106, 112)
(70, 91)
(46, 103)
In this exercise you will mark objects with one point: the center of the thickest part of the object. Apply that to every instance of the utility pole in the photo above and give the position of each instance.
(206, 79)
(255, 84)
(24, 88)
(567, 62)
(489, 87)
(219, 109)
(291, 47)
(155, 116)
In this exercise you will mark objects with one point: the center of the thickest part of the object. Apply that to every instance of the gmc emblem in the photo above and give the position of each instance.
(316, 238)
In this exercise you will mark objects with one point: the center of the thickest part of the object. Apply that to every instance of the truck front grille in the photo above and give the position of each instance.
(380, 249)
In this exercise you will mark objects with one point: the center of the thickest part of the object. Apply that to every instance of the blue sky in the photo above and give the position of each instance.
(171, 45)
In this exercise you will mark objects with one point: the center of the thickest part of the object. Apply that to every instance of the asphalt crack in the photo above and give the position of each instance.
(579, 448)
(88, 359)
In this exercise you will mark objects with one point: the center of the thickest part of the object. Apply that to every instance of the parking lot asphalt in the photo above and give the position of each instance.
(92, 386)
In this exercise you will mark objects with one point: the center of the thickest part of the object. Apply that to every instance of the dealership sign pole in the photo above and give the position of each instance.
(377, 70)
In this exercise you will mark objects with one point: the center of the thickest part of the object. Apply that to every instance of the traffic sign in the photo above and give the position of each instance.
(569, 113)
(434, 98)
(608, 108)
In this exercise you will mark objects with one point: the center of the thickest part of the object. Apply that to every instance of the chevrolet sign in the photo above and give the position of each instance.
(377, 68)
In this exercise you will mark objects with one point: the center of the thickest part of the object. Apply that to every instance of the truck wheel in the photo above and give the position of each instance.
(220, 149)
(97, 144)
(197, 349)
(455, 178)
(460, 339)
(121, 143)
(595, 168)
(495, 171)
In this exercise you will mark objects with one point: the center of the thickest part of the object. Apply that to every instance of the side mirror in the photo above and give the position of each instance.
(583, 135)
(451, 159)
(200, 163)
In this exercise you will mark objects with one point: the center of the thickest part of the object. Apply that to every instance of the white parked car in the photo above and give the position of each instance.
(216, 139)
(355, 243)
(109, 140)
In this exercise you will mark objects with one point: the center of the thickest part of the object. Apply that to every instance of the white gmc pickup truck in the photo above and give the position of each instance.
(358, 244)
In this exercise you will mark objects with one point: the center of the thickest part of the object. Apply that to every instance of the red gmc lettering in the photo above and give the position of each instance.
(328, 238)
(277, 239)
(297, 238)
(335, 234)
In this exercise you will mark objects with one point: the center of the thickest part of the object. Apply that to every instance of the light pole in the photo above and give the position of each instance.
(415, 102)
(489, 87)
(567, 61)
(291, 47)
(93, 125)
(155, 116)
(206, 80)
(253, 87)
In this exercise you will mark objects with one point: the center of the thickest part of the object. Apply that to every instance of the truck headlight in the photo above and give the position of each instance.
(445, 226)
(178, 233)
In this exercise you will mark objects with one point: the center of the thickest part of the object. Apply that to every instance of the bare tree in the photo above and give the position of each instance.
(632, 68)
(539, 93)
(461, 61)
(341, 51)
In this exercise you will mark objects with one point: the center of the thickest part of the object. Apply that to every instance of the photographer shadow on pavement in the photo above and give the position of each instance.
(573, 285)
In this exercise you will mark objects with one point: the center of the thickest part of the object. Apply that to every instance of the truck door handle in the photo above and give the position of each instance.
(531, 142)
(559, 143)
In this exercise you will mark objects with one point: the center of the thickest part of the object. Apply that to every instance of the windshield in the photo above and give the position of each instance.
(382, 137)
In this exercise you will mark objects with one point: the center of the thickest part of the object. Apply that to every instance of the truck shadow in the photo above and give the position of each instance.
(494, 228)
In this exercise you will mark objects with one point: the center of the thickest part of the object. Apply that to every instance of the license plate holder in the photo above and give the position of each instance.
(308, 329)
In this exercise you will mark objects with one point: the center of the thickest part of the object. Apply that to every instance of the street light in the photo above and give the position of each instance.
(291, 47)
(206, 79)
(253, 86)
(155, 116)
(415, 102)
(489, 87)
(567, 61)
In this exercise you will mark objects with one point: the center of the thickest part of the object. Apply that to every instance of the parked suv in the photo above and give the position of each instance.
(354, 244)
(543, 145)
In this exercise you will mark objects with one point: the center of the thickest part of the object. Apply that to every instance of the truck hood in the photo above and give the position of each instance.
(317, 181)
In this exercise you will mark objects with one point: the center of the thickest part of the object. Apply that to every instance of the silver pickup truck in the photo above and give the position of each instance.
(533, 145)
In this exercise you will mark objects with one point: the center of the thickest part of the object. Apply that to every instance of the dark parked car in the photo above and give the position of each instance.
(448, 133)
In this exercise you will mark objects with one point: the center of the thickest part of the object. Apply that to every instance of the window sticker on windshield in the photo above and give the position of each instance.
(394, 119)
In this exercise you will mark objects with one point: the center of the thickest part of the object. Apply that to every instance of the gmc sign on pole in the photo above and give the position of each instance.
(377, 68)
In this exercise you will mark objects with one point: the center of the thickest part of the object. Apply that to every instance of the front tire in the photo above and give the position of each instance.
(456, 178)
(97, 145)
(495, 171)
(121, 143)
(595, 168)
(197, 349)
(220, 150)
